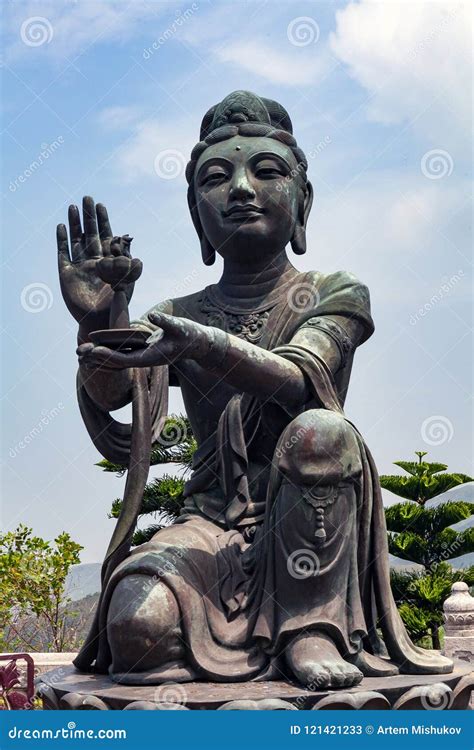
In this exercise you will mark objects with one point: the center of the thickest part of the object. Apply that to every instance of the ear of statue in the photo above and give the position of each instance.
(207, 251)
(298, 241)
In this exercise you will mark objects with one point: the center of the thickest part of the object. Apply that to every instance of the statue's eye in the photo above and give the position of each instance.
(270, 172)
(213, 178)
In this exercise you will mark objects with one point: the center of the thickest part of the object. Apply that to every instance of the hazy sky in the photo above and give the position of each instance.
(106, 99)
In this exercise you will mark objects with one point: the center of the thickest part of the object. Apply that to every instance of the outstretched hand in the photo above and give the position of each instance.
(176, 338)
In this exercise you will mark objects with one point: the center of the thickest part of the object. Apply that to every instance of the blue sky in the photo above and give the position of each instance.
(102, 98)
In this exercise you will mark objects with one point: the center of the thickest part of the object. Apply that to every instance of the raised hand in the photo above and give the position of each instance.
(87, 296)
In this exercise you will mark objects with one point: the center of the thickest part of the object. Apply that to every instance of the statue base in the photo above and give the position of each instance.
(66, 689)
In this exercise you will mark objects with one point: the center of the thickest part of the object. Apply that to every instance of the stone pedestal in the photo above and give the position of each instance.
(459, 624)
(74, 690)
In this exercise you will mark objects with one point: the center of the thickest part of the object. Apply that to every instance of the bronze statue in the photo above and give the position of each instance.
(278, 566)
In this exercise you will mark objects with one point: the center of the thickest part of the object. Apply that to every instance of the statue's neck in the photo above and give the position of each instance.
(258, 280)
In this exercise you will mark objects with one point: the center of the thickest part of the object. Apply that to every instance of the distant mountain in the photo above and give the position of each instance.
(464, 492)
(465, 561)
(83, 580)
(398, 564)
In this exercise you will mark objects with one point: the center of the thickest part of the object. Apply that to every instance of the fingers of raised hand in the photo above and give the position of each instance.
(63, 246)
(91, 232)
(75, 233)
(105, 230)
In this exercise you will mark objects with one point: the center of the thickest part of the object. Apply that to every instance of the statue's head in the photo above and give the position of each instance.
(248, 190)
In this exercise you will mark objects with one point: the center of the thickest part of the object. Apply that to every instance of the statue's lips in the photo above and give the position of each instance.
(243, 212)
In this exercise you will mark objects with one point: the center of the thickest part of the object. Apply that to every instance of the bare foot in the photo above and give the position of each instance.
(374, 666)
(316, 663)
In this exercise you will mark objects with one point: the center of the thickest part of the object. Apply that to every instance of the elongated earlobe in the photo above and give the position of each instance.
(298, 241)
(207, 251)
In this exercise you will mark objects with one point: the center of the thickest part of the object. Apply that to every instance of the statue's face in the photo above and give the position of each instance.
(245, 204)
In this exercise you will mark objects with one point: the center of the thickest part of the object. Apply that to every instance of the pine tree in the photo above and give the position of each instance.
(163, 496)
(424, 536)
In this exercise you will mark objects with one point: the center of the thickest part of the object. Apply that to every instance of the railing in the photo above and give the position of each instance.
(14, 695)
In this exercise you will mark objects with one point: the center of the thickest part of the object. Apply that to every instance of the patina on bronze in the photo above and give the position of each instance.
(278, 566)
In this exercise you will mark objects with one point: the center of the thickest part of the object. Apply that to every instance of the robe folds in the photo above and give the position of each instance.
(226, 557)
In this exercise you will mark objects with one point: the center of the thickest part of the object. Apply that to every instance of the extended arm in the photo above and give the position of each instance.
(243, 365)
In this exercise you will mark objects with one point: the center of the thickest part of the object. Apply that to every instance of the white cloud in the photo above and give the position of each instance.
(67, 29)
(119, 117)
(284, 68)
(383, 226)
(407, 54)
(152, 144)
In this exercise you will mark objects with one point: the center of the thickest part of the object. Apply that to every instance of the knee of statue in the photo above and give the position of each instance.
(143, 624)
(319, 446)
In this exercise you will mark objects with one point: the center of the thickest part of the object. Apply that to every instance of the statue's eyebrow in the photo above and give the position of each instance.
(214, 160)
(270, 155)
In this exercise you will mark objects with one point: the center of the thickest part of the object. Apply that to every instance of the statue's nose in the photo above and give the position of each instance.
(241, 188)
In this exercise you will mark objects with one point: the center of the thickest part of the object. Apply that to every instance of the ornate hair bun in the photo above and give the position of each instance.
(244, 106)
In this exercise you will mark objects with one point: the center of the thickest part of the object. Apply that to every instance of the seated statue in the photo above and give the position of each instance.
(277, 567)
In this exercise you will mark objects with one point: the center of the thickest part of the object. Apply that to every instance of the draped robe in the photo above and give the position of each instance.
(225, 558)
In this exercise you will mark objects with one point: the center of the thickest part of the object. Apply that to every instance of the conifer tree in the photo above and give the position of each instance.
(423, 535)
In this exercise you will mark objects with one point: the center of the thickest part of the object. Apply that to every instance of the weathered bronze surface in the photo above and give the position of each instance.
(69, 689)
(278, 567)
